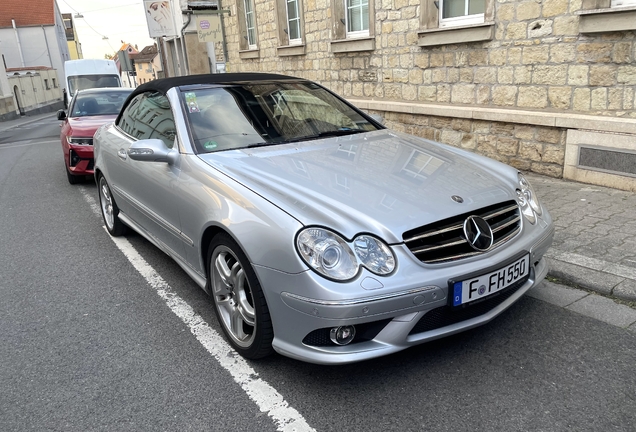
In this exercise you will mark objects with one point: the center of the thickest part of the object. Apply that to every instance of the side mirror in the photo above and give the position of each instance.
(152, 150)
(61, 115)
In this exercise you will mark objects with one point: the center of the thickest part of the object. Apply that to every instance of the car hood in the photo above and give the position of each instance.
(86, 126)
(382, 182)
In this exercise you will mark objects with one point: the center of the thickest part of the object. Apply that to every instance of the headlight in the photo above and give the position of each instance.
(79, 141)
(374, 254)
(527, 198)
(332, 256)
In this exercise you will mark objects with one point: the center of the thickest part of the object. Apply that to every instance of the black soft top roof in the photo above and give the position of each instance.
(164, 84)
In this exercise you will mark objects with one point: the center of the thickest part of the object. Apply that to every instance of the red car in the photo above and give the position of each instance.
(88, 110)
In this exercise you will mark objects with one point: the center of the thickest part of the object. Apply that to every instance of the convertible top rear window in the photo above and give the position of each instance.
(248, 115)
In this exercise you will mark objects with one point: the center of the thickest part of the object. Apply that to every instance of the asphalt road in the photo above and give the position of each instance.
(86, 343)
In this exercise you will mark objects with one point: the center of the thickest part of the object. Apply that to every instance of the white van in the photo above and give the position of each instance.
(89, 73)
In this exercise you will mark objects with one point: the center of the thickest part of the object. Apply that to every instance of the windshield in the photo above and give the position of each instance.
(83, 82)
(241, 116)
(102, 103)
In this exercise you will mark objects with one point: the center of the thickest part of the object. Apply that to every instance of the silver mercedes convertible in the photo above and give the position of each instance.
(319, 233)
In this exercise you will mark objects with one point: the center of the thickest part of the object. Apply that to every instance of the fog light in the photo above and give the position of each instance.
(342, 335)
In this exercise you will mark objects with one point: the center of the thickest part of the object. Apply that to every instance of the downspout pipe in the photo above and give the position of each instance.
(225, 59)
(183, 49)
(17, 38)
(48, 50)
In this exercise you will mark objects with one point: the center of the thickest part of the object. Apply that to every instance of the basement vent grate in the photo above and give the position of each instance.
(619, 162)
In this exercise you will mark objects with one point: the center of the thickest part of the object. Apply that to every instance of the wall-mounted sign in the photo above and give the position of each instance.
(159, 16)
(209, 28)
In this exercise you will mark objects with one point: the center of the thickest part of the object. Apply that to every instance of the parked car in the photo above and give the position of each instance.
(88, 110)
(317, 232)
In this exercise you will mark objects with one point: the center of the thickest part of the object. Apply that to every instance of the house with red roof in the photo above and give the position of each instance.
(32, 34)
(33, 49)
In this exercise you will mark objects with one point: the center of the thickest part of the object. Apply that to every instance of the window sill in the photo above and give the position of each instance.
(607, 20)
(249, 54)
(353, 45)
(291, 50)
(456, 35)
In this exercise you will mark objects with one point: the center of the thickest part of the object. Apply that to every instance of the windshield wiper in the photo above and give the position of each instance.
(331, 133)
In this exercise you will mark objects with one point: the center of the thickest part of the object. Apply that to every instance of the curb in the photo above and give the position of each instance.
(596, 275)
(11, 124)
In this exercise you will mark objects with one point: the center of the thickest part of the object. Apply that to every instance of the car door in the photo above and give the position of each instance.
(145, 191)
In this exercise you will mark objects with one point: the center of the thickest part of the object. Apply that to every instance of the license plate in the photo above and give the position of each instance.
(479, 287)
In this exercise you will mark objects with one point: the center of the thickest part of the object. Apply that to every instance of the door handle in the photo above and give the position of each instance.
(122, 154)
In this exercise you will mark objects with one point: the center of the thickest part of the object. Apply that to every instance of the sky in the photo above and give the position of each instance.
(118, 20)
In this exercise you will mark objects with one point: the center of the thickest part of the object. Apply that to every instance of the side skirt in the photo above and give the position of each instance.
(194, 274)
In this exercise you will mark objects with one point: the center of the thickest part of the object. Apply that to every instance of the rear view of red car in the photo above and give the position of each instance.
(88, 110)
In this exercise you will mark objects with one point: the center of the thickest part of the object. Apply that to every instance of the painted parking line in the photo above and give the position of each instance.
(8, 146)
(265, 396)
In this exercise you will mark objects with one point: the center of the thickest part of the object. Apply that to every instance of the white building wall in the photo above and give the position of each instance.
(40, 46)
(33, 93)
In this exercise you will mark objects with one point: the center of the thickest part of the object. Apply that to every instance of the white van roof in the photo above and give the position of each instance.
(90, 67)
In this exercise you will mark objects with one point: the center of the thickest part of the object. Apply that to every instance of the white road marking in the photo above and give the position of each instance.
(3, 146)
(266, 397)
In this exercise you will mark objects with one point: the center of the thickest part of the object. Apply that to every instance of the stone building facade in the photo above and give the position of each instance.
(544, 85)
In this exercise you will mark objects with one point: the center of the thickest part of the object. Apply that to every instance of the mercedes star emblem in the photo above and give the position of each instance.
(478, 233)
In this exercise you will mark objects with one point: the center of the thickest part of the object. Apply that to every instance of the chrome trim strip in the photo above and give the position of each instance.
(432, 233)
(360, 300)
(432, 248)
(506, 224)
(502, 211)
(452, 258)
(154, 216)
(505, 239)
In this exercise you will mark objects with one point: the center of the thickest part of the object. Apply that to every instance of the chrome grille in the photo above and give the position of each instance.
(445, 241)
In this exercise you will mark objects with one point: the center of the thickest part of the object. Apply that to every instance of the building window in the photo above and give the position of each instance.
(353, 26)
(461, 12)
(250, 24)
(293, 22)
(54, 83)
(622, 3)
(357, 18)
(388, 202)
(420, 165)
(342, 184)
(347, 151)
(447, 22)
(46, 84)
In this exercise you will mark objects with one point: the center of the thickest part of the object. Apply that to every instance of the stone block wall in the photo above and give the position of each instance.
(530, 148)
(537, 60)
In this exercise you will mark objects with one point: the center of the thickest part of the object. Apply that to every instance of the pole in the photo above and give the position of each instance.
(176, 36)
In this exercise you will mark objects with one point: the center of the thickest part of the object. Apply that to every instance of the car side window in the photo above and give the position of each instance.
(148, 115)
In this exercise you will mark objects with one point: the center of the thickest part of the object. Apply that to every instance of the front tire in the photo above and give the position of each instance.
(110, 211)
(239, 301)
(73, 179)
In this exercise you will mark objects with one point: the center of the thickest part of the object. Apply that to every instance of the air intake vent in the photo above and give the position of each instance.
(445, 241)
(608, 160)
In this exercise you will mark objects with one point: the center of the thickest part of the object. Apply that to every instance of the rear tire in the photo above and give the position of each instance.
(239, 301)
(110, 211)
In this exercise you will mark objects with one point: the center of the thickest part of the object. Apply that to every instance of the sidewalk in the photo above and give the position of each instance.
(24, 120)
(595, 241)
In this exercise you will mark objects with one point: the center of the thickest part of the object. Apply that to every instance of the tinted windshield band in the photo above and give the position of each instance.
(240, 116)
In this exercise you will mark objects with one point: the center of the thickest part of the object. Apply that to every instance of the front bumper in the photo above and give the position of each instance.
(414, 311)
(80, 159)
